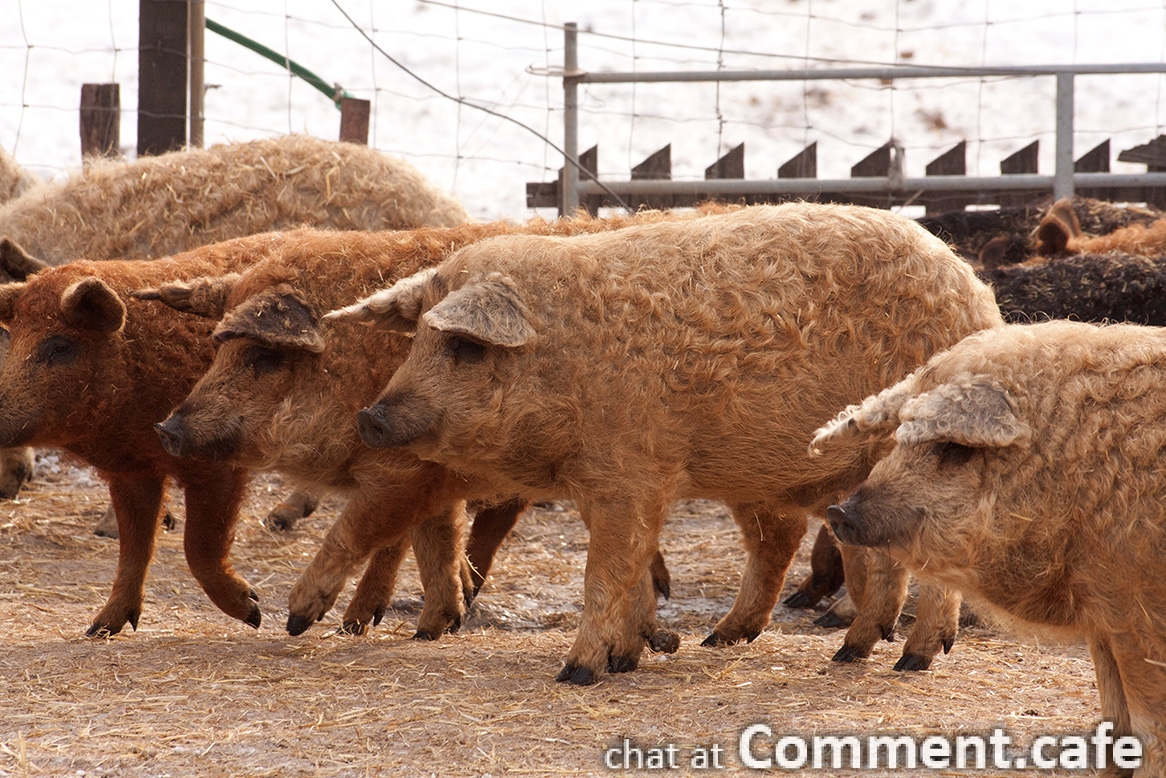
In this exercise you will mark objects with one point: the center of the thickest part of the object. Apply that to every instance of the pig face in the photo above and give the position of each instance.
(952, 442)
(455, 379)
(63, 343)
(263, 341)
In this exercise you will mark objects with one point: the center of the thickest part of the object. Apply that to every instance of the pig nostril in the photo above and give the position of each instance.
(842, 524)
(373, 429)
(172, 439)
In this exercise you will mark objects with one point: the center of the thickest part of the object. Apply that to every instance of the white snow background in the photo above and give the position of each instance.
(507, 55)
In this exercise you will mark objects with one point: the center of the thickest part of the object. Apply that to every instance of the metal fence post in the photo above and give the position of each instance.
(1063, 174)
(569, 196)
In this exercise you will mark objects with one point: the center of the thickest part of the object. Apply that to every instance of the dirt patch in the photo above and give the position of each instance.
(193, 692)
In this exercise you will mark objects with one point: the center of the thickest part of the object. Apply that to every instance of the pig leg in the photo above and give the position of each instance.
(855, 561)
(16, 467)
(1112, 692)
(137, 501)
(619, 606)
(1143, 684)
(438, 547)
(826, 572)
(771, 539)
(212, 511)
(491, 526)
(298, 505)
(878, 605)
(375, 590)
(937, 622)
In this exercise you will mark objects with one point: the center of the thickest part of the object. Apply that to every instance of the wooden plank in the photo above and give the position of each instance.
(952, 162)
(875, 164)
(161, 76)
(100, 120)
(731, 165)
(804, 164)
(1022, 162)
(354, 120)
(657, 167)
(1096, 160)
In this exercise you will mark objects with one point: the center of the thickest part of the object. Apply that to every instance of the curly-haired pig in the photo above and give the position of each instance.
(1029, 472)
(688, 358)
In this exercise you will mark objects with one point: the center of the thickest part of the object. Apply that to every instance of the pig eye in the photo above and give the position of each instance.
(953, 454)
(56, 351)
(262, 359)
(466, 351)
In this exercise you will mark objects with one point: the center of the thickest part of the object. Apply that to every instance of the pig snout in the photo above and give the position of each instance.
(394, 422)
(847, 522)
(172, 436)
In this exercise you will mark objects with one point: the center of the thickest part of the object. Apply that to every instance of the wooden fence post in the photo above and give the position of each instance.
(161, 76)
(354, 120)
(100, 120)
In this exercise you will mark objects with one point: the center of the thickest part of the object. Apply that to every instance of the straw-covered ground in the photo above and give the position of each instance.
(195, 693)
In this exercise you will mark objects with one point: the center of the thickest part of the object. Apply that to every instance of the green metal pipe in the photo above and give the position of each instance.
(334, 93)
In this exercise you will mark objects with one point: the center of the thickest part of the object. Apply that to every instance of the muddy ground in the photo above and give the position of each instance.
(193, 692)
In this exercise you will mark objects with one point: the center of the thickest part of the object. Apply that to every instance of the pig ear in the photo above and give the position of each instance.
(205, 297)
(16, 263)
(396, 308)
(9, 294)
(277, 316)
(1057, 229)
(91, 305)
(975, 411)
(876, 416)
(489, 311)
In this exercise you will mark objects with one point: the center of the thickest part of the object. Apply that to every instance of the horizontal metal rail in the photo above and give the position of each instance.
(1062, 183)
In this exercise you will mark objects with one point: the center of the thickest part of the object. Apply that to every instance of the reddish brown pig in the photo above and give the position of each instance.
(276, 398)
(89, 371)
(688, 358)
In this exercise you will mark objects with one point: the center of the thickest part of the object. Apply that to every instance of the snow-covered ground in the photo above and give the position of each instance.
(506, 55)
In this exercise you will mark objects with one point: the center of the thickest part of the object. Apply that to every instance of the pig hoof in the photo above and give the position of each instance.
(831, 620)
(454, 626)
(849, 654)
(800, 600)
(424, 635)
(576, 676)
(297, 625)
(888, 633)
(169, 522)
(664, 641)
(378, 614)
(101, 631)
(947, 644)
(622, 664)
(909, 662)
(352, 628)
(254, 617)
(714, 640)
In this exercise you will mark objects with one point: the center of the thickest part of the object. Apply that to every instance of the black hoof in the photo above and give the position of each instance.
(454, 626)
(947, 644)
(912, 662)
(101, 631)
(352, 628)
(848, 654)
(831, 620)
(169, 522)
(298, 625)
(622, 664)
(133, 619)
(253, 596)
(714, 640)
(254, 617)
(800, 600)
(423, 635)
(888, 633)
(576, 676)
(377, 615)
(664, 641)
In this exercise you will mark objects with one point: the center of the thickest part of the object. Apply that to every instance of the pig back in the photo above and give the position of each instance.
(714, 348)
